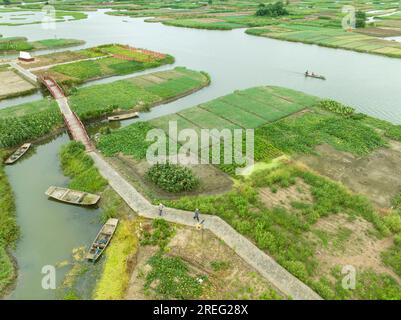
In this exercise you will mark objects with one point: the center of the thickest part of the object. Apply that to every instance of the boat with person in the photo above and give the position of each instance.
(72, 196)
(102, 240)
(123, 116)
(18, 154)
(313, 75)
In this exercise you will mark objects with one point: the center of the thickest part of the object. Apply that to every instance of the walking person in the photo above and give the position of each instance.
(161, 207)
(196, 216)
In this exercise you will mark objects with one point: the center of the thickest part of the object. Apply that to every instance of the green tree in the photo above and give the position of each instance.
(360, 18)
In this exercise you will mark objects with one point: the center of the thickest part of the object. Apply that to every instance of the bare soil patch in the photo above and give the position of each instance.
(212, 180)
(377, 175)
(284, 197)
(12, 84)
(234, 279)
(350, 242)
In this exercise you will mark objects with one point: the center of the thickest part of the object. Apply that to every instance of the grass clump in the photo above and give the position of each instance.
(172, 177)
(77, 165)
(160, 235)
(130, 140)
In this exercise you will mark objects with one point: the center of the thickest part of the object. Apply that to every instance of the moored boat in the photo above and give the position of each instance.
(123, 116)
(18, 154)
(102, 240)
(72, 196)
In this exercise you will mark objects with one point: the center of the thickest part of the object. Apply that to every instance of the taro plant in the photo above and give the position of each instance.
(172, 177)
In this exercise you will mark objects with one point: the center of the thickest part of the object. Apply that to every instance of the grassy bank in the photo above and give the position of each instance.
(114, 276)
(9, 231)
(113, 282)
(77, 165)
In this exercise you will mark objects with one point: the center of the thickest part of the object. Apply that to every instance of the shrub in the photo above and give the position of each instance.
(172, 177)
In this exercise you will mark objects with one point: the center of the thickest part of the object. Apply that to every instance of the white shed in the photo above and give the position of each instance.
(25, 56)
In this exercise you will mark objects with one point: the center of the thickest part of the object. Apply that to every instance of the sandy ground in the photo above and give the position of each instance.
(352, 242)
(12, 84)
(236, 281)
(378, 175)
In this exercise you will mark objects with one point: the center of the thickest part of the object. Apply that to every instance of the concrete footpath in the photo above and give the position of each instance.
(264, 264)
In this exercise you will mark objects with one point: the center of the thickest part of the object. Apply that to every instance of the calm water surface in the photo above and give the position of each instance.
(234, 60)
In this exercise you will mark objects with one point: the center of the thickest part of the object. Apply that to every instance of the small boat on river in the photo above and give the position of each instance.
(102, 240)
(312, 75)
(72, 196)
(18, 154)
(123, 116)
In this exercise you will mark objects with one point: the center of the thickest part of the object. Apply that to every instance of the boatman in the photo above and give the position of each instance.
(161, 207)
(306, 73)
(196, 216)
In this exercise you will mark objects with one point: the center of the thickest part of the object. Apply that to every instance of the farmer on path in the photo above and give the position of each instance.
(161, 207)
(196, 216)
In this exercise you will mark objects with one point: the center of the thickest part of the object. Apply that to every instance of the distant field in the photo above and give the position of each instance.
(330, 37)
(15, 44)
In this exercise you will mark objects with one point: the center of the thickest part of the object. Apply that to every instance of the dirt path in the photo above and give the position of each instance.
(264, 264)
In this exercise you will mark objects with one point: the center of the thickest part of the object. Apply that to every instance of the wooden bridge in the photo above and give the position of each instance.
(74, 125)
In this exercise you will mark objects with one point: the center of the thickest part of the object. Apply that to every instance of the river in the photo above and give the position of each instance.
(233, 59)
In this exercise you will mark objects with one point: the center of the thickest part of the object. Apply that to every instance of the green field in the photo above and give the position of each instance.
(138, 93)
(246, 109)
(33, 120)
(114, 60)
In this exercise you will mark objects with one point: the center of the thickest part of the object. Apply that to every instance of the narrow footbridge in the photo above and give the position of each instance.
(72, 121)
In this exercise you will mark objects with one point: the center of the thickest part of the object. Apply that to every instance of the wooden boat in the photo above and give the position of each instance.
(102, 240)
(315, 76)
(123, 116)
(18, 154)
(72, 196)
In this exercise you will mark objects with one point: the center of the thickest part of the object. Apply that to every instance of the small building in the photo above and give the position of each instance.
(25, 56)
